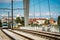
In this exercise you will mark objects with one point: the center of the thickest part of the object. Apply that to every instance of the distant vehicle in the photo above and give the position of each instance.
(4, 25)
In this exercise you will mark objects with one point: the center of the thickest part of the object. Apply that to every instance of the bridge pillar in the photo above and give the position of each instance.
(26, 11)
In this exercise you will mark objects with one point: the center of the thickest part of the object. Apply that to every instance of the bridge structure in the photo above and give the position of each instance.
(28, 33)
(25, 8)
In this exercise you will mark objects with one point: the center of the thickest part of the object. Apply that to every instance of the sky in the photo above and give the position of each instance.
(37, 8)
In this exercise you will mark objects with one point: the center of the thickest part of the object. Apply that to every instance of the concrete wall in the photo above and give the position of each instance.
(26, 11)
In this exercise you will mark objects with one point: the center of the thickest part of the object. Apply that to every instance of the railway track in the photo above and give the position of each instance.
(15, 36)
(8, 35)
(3, 36)
(47, 35)
(34, 37)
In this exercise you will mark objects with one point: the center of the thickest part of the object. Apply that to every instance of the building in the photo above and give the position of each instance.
(37, 20)
(4, 19)
(52, 21)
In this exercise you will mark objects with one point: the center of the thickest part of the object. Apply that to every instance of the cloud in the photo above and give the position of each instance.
(32, 14)
(18, 0)
(46, 14)
(4, 15)
(37, 14)
(18, 13)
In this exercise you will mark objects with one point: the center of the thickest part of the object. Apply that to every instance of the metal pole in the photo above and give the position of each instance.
(12, 12)
(8, 19)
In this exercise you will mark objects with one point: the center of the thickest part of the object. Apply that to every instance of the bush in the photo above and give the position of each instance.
(58, 20)
(47, 22)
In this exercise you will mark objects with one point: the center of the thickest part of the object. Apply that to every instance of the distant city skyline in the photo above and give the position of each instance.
(36, 7)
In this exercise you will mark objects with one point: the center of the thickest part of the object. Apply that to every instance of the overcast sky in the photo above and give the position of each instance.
(36, 7)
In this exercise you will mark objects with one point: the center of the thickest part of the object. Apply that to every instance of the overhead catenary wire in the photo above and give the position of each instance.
(49, 8)
(11, 9)
(55, 10)
(34, 7)
(39, 8)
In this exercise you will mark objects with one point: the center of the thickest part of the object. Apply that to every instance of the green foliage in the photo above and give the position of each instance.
(0, 23)
(58, 20)
(47, 22)
(22, 22)
(32, 24)
(18, 20)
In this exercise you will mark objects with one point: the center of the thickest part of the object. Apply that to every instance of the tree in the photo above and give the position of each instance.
(18, 20)
(47, 22)
(58, 20)
(22, 22)
(0, 23)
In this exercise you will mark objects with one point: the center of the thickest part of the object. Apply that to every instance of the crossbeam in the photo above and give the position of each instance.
(11, 9)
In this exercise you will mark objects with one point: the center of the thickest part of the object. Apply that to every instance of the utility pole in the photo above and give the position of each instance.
(12, 12)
